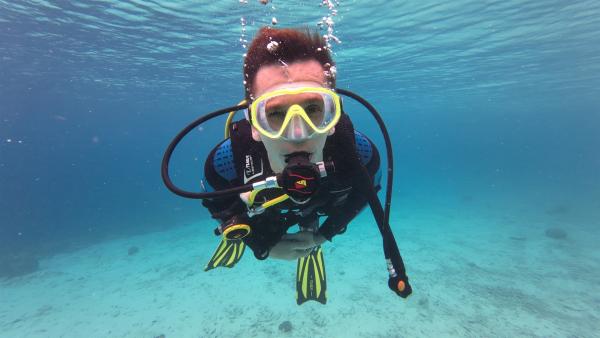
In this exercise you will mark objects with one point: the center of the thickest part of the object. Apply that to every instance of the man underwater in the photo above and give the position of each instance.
(302, 160)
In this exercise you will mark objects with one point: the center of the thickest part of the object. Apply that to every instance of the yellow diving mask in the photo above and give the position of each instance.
(296, 113)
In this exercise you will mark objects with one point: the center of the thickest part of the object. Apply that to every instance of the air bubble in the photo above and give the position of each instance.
(272, 46)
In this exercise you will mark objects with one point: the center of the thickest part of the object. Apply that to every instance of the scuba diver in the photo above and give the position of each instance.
(294, 159)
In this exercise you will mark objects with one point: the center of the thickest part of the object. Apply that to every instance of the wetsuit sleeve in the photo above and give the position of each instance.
(341, 216)
(219, 173)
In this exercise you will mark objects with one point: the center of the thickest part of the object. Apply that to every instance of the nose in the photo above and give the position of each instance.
(297, 130)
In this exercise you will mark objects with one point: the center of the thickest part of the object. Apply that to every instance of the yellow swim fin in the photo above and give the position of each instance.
(311, 283)
(228, 253)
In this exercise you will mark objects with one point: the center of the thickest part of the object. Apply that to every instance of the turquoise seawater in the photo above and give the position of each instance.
(493, 108)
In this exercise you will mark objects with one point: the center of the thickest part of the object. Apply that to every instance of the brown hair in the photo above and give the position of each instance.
(273, 46)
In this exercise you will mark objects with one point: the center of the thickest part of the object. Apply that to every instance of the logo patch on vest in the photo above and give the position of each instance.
(251, 169)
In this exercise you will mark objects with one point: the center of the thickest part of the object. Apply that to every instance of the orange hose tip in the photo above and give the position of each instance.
(401, 286)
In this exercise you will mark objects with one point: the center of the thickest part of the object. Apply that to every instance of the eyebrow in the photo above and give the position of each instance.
(280, 101)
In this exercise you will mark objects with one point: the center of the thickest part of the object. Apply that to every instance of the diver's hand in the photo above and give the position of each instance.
(294, 246)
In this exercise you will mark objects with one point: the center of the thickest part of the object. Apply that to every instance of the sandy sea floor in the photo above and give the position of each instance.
(474, 275)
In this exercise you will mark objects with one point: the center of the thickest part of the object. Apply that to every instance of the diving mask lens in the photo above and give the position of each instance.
(318, 107)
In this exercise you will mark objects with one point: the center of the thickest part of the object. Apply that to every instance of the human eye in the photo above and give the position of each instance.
(313, 108)
(276, 113)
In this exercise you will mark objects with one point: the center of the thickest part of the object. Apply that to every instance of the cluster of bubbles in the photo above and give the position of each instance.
(328, 23)
(272, 46)
(243, 39)
(330, 71)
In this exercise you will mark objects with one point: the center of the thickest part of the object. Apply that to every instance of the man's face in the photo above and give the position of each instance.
(268, 78)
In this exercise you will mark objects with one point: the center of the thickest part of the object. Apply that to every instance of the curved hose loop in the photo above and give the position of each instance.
(169, 152)
(388, 146)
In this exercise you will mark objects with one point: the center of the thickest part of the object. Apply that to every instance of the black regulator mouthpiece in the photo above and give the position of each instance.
(300, 178)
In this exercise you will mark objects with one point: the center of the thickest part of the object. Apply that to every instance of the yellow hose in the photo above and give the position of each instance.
(230, 118)
(276, 200)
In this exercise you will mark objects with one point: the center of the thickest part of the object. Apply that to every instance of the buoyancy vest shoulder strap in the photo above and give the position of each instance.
(249, 156)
